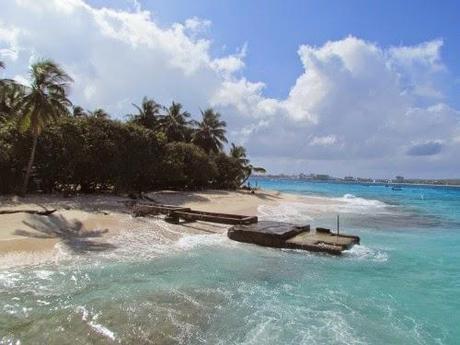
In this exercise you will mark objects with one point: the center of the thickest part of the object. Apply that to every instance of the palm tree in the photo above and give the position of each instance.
(10, 95)
(44, 101)
(4, 83)
(148, 113)
(99, 113)
(210, 134)
(175, 122)
(79, 111)
(239, 153)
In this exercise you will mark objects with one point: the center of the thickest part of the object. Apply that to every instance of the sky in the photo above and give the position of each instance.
(361, 88)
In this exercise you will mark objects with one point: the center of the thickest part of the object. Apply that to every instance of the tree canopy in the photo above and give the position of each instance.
(63, 147)
(210, 132)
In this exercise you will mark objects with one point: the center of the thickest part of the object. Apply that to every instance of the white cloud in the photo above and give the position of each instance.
(230, 64)
(357, 102)
(356, 107)
(327, 140)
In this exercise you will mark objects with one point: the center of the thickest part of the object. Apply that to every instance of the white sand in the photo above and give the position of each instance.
(108, 216)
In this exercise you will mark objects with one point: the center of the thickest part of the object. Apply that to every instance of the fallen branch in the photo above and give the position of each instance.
(39, 213)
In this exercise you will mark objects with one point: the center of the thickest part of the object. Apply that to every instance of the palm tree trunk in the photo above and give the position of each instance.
(246, 178)
(30, 165)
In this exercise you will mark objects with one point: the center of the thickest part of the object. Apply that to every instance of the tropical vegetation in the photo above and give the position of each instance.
(49, 144)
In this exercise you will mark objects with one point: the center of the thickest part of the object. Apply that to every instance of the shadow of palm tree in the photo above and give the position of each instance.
(71, 232)
(178, 197)
(262, 195)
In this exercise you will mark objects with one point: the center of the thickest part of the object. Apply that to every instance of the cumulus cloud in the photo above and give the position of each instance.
(357, 108)
(357, 101)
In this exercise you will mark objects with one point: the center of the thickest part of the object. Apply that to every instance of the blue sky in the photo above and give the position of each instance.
(363, 88)
(274, 30)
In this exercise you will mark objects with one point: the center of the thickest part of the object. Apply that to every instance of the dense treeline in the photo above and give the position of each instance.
(48, 144)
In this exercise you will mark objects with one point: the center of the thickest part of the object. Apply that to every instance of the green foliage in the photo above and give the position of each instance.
(99, 113)
(46, 99)
(79, 111)
(210, 134)
(147, 114)
(11, 95)
(187, 166)
(90, 154)
(246, 169)
(14, 150)
(176, 124)
(228, 171)
(74, 150)
(138, 163)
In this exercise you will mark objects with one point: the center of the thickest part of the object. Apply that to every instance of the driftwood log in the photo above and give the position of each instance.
(39, 213)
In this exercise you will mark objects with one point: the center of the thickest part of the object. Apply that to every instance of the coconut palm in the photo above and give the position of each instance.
(148, 113)
(247, 169)
(4, 82)
(10, 95)
(79, 111)
(99, 113)
(175, 123)
(44, 101)
(210, 134)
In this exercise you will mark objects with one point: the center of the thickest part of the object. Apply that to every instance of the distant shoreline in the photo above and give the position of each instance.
(357, 182)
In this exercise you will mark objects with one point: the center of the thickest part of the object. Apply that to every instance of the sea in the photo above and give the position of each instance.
(400, 286)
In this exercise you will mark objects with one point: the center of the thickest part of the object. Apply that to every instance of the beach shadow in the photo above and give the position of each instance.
(95, 203)
(71, 232)
(260, 195)
(177, 198)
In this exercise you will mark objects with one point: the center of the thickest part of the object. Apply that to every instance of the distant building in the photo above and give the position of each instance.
(303, 176)
(399, 179)
(321, 177)
(364, 179)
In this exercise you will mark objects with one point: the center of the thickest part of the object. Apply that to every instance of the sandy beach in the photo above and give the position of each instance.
(88, 222)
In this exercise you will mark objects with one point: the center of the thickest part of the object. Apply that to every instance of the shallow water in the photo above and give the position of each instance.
(402, 286)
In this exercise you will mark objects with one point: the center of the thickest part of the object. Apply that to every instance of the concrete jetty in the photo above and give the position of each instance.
(285, 235)
(176, 214)
(248, 229)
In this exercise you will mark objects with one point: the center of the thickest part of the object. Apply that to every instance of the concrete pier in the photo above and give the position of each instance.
(248, 229)
(285, 235)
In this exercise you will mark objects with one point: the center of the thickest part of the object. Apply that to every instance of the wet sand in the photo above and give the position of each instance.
(89, 221)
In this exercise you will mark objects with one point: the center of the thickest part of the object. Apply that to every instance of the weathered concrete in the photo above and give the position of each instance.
(175, 214)
(285, 235)
(213, 217)
(248, 229)
(142, 210)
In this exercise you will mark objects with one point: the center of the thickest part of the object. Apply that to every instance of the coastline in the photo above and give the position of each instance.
(93, 222)
(407, 184)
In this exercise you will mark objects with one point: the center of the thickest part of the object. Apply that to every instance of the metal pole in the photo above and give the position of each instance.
(338, 230)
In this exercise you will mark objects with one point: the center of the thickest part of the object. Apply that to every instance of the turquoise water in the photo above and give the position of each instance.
(401, 286)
